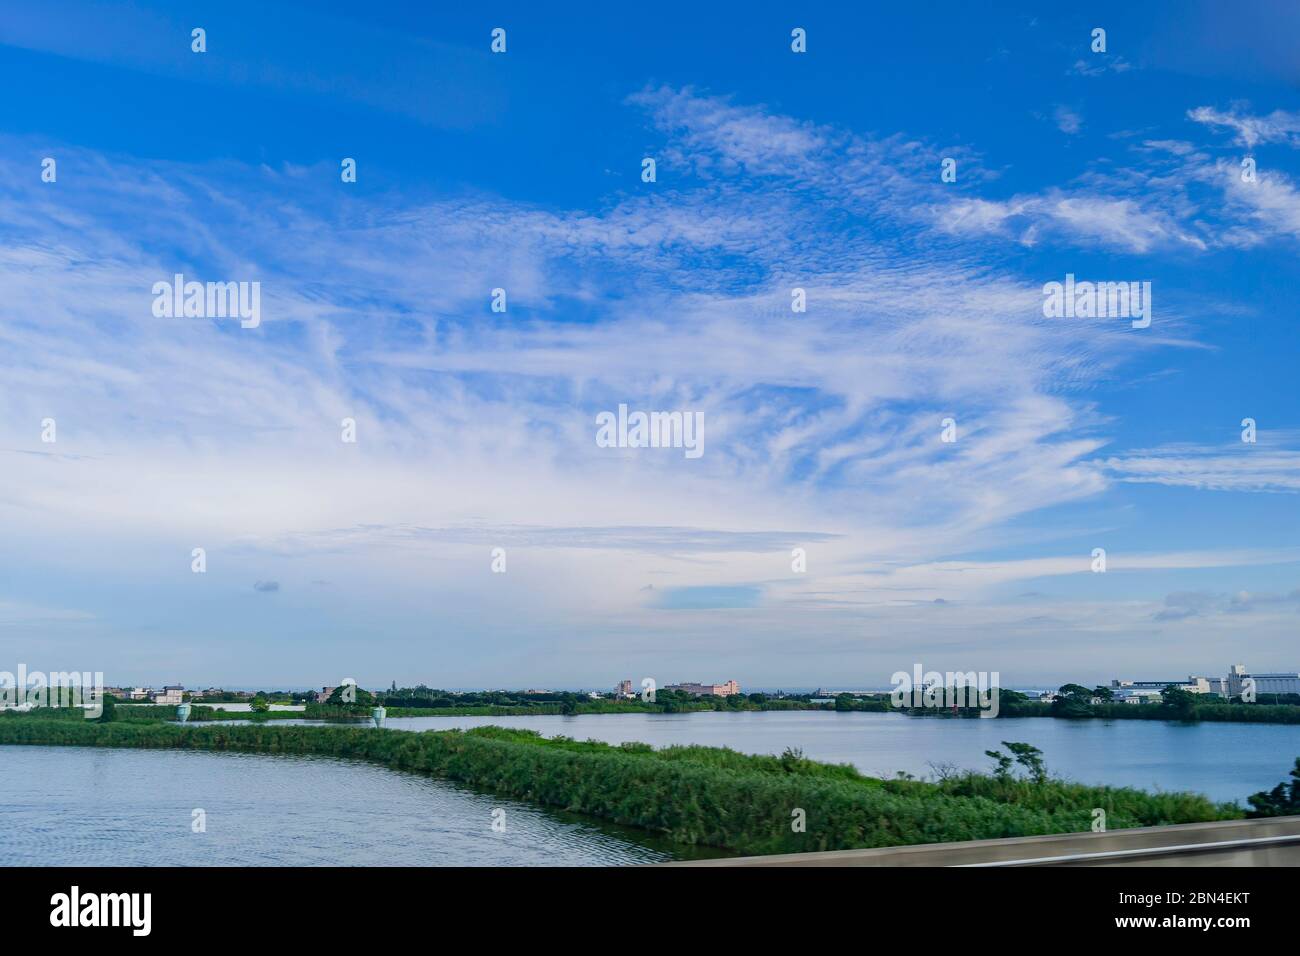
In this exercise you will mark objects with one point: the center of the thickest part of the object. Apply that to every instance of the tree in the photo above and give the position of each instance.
(1029, 757)
(792, 759)
(1105, 693)
(260, 704)
(1282, 801)
(364, 699)
(1003, 770)
(1072, 700)
(109, 707)
(843, 702)
(1178, 702)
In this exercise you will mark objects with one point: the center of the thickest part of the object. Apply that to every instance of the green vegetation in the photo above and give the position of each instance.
(45, 713)
(360, 698)
(1213, 710)
(1282, 801)
(217, 697)
(533, 711)
(338, 708)
(1235, 712)
(1074, 702)
(237, 697)
(514, 704)
(695, 795)
(1027, 755)
(424, 701)
(150, 713)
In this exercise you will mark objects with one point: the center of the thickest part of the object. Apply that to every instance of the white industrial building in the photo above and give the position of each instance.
(1138, 695)
(1137, 691)
(1279, 683)
(1143, 691)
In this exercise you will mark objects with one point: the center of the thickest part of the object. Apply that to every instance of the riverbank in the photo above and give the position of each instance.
(330, 711)
(152, 713)
(1012, 704)
(693, 795)
(1214, 713)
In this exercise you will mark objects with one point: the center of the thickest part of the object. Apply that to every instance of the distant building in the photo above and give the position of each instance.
(1140, 691)
(1193, 685)
(1139, 695)
(170, 695)
(823, 692)
(139, 693)
(1278, 683)
(624, 689)
(707, 690)
(324, 694)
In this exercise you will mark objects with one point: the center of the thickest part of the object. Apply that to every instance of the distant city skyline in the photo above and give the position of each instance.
(620, 685)
(420, 461)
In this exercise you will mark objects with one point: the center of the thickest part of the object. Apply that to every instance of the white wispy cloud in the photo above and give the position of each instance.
(1100, 64)
(1068, 120)
(1244, 467)
(1111, 222)
(803, 412)
(1172, 195)
(1250, 131)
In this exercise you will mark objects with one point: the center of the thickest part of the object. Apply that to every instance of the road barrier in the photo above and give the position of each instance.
(1272, 841)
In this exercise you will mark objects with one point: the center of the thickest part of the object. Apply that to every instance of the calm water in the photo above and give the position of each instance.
(1222, 761)
(95, 807)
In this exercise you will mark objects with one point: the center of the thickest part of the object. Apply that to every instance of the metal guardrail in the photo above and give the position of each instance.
(1148, 856)
(1272, 841)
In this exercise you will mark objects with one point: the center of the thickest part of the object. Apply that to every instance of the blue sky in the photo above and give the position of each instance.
(476, 430)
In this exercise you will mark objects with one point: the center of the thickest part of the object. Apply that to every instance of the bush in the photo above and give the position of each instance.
(1282, 801)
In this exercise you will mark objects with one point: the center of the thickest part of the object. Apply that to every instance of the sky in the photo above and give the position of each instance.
(827, 534)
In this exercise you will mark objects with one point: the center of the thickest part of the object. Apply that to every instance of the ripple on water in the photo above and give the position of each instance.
(102, 807)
